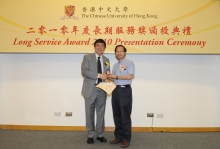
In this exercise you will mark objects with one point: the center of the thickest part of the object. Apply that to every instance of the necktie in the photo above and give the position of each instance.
(99, 66)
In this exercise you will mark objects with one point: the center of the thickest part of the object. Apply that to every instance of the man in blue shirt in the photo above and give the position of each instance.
(123, 73)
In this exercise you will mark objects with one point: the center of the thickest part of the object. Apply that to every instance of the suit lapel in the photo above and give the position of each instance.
(103, 64)
(94, 62)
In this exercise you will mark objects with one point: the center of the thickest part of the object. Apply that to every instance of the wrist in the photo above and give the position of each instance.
(116, 77)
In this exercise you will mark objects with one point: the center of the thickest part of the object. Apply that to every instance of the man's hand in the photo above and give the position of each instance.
(103, 76)
(111, 76)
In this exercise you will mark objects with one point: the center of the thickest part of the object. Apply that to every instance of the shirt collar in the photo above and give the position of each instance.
(98, 56)
(121, 61)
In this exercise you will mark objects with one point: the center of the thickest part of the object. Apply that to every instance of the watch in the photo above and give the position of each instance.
(116, 78)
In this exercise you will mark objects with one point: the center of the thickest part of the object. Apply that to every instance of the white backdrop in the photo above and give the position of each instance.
(185, 88)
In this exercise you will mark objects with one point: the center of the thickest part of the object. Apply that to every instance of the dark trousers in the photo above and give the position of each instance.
(122, 106)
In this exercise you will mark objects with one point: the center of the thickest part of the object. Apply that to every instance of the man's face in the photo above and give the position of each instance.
(119, 53)
(99, 48)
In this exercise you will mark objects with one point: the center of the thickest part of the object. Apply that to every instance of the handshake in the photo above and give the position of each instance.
(109, 76)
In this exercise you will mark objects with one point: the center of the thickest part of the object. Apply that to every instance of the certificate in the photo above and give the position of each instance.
(108, 87)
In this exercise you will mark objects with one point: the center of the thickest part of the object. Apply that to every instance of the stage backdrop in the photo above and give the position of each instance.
(143, 26)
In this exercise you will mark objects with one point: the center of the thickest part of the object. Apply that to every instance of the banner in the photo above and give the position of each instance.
(142, 26)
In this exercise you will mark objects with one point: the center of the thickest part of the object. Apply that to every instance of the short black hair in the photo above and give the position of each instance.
(125, 50)
(100, 41)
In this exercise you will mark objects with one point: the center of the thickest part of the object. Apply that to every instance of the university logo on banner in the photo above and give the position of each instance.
(69, 10)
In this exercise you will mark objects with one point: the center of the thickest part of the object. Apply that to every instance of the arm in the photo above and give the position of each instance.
(125, 77)
(86, 70)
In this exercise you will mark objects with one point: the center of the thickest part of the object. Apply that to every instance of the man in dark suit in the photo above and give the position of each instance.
(94, 69)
